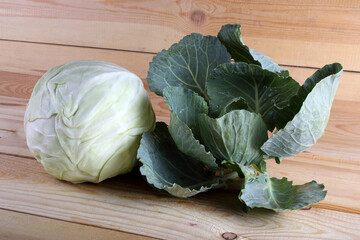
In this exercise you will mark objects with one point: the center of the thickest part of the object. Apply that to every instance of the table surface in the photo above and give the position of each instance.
(300, 35)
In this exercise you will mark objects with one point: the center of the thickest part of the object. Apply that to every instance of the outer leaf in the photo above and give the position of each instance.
(187, 64)
(261, 89)
(267, 63)
(308, 125)
(287, 114)
(187, 105)
(186, 142)
(236, 104)
(165, 167)
(230, 36)
(178, 191)
(235, 137)
(279, 194)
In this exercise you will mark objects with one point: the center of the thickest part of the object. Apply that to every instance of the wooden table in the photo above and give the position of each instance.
(38, 35)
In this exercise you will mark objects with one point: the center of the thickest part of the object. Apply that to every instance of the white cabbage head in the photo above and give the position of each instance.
(85, 119)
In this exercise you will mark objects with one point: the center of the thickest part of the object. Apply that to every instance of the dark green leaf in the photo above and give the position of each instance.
(279, 194)
(309, 123)
(235, 137)
(262, 90)
(165, 167)
(230, 36)
(187, 105)
(187, 64)
(187, 144)
(236, 104)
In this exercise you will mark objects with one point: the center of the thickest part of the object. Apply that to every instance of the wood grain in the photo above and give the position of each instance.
(126, 203)
(12, 135)
(19, 74)
(301, 33)
(334, 160)
(20, 226)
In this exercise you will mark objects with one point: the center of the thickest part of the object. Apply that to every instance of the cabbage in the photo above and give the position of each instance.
(221, 111)
(85, 119)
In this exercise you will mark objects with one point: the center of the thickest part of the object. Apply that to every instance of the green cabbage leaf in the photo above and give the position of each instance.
(221, 113)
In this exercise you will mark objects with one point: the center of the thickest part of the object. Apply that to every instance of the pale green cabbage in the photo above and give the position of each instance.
(85, 119)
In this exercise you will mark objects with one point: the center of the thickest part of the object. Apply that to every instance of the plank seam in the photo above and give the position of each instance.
(79, 46)
(84, 224)
(16, 155)
(314, 68)
(134, 51)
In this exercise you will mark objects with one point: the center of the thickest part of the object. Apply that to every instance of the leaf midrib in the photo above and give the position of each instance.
(271, 194)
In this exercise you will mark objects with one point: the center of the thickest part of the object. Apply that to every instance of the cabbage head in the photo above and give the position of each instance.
(85, 119)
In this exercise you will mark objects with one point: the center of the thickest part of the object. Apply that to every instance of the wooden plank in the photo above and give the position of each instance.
(12, 136)
(20, 226)
(340, 145)
(334, 160)
(301, 33)
(126, 203)
(18, 74)
(17, 84)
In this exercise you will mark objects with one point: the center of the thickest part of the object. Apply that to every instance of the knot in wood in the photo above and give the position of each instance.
(198, 17)
(229, 236)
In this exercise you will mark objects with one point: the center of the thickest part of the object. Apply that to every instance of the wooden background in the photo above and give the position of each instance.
(302, 36)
